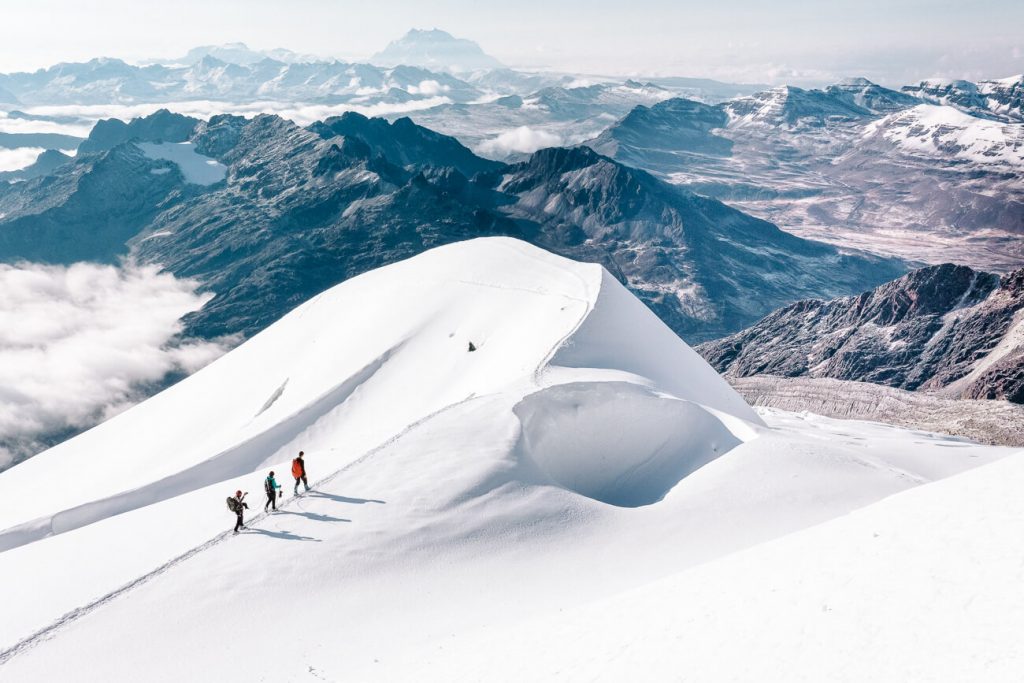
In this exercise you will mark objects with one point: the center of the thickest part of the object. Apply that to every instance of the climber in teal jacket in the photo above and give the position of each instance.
(271, 486)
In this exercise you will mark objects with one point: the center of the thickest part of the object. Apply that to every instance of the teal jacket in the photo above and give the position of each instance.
(270, 484)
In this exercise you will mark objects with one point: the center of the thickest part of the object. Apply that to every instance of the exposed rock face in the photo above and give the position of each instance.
(688, 257)
(863, 94)
(300, 209)
(404, 143)
(944, 328)
(162, 126)
(795, 107)
(679, 125)
(1005, 97)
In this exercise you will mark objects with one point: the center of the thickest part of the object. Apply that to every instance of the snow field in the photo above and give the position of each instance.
(581, 452)
(196, 168)
(923, 586)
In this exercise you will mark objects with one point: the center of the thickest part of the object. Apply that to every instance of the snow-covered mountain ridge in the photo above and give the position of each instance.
(945, 133)
(559, 316)
(576, 450)
(1001, 99)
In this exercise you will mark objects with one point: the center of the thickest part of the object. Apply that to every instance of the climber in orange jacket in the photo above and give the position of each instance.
(299, 472)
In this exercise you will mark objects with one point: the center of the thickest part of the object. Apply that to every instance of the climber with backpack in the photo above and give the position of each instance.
(271, 486)
(299, 472)
(237, 504)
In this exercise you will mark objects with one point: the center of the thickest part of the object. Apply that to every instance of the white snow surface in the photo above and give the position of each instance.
(581, 458)
(924, 586)
(197, 169)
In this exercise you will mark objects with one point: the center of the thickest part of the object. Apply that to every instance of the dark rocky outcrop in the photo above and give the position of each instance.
(943, 328)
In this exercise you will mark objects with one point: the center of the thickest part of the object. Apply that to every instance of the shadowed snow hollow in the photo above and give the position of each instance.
(612, 404)
(618, 442)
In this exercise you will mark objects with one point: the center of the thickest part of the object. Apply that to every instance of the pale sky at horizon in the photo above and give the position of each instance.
(787, 41)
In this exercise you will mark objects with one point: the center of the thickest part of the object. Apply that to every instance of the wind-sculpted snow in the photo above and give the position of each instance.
(915, 587)
(617, 442)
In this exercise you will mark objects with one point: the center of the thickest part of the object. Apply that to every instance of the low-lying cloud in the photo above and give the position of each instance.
(428, 88)
(521, 140)
(18, 158)
(80, 344)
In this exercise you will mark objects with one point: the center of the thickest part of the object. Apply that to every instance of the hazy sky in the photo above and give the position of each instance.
(796, 41)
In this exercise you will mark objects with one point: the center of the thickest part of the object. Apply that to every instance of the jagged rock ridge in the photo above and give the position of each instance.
(946, 329)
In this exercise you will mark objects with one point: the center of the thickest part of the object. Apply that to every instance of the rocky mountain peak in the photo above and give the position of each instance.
(943, 328)
(926, 291)
(160, 126)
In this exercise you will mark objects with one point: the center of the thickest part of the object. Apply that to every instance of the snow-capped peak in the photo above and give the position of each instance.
(436, 50)
(330, 368)
(944, 131)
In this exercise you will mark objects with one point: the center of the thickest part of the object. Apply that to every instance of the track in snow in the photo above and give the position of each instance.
(50, 631)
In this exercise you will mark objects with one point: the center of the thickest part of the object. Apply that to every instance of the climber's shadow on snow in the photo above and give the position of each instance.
(283, 535)
(344, 499)
(313, 516)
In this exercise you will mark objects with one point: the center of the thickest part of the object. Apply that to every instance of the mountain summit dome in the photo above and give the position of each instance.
(437, 50)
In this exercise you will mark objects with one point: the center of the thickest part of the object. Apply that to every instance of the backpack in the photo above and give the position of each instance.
(297, 469)
(232, 504)
(267, 487)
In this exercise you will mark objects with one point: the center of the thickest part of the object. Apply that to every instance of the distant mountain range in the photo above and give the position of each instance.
(928, 173)
(111, 81)
(240, 53)
(861, 166)
(300, 209)
(946, 329)
(499, 112)
(436, 50)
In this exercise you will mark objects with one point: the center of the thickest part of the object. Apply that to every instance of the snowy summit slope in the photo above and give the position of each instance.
(578, 451)
(370, 358)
